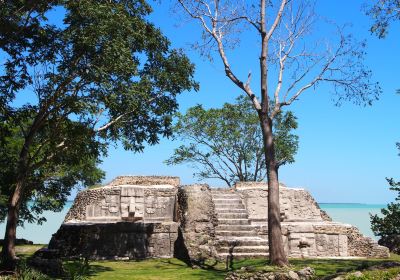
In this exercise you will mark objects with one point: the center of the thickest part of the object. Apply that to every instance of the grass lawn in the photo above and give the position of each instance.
(25, 251)
(168, 269)
(154, 269)
(175, 269)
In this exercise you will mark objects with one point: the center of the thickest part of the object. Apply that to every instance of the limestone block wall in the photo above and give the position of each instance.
(145, 181)
(132, 217)
(135, 217)
(127, 198)
(360, 245)
(316, 239)
(86, 200)
(307, 230)
(197, 222)
(328, 239)
(296, 204)
(122, 240)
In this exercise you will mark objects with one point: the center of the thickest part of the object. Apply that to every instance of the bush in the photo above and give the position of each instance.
(389, 224)
(375, 275)
(78, 270)
(25, 272)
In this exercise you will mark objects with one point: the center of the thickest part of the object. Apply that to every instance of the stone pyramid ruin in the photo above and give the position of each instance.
(138, 217)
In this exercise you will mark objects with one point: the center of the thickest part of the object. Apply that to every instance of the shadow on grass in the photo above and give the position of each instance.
(95, 269)
(77, 268)
(214, 265)
(256, 263)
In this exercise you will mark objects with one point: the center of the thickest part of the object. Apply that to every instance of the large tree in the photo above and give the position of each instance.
(226, 143)
(103, 74)
(292, 61)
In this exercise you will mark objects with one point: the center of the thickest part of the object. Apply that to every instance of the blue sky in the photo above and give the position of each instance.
(345, 152)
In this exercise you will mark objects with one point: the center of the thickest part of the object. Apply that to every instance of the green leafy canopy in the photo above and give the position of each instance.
(226, 143)
(106, 74)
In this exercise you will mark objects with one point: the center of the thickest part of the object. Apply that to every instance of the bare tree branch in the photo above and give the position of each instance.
(215, 32)
(277, 19)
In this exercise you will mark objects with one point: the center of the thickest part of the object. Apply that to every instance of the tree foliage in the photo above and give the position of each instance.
(87, 73)
(54, 173)
(383, 12)
(226, 143)
(388, 223)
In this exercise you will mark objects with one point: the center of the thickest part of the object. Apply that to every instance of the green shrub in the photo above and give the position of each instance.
(376, 275)
(78, 270)
(25, 272)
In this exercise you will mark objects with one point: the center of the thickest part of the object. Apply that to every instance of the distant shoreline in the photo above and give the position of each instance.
(354, 203)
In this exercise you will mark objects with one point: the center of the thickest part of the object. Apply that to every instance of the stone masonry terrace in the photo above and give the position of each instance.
(154, 216)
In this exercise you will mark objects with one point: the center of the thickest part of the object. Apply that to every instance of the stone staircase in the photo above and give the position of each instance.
(234, 234)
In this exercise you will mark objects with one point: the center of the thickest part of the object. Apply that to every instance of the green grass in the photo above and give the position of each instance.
(387, 274)
(326, 267)
(25, 251)
(175, 269)
(168, 269)
(154, 269)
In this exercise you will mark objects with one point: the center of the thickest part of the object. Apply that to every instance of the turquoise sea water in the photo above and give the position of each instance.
(41, 234)
(353, 213)
(349, 213)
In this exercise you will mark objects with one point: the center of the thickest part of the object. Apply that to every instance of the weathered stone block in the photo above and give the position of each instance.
(107, 241)
(197, 219)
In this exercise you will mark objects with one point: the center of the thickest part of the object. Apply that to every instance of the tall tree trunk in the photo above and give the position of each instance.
(8, 256)
(277, 254)
(9, 259)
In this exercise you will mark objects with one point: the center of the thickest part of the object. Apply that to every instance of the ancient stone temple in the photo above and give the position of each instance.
(136, 217)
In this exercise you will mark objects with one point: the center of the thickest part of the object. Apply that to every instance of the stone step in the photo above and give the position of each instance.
(222, 190)
(225, 210)
(235, 227)
(239, 256)
(232, 216)
(244, 249)
(225, 196)
(242, 241)
(233, 201)
(227, 201)
(245, 233)
(223, 221)
(229, 206)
